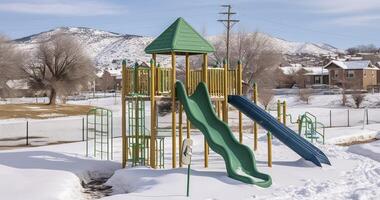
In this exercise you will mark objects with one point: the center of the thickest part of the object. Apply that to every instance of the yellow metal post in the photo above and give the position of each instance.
(279, 110)
(239, 85)
(205, 80)
(255, 129)
(225, 91)
(123, 114)
(180, 134)
(284, 112)
(187, 58)
(174, 153)
(153, 113)
(269, 137)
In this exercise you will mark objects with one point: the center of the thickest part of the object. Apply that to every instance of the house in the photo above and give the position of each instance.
(316, 75)
(358, 74)
(303, 76)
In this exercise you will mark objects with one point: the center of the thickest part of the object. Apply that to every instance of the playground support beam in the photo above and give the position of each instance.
(174, 150)
(284, 112)
(269, 137)
(187, 63)
(204, 78)
(240, 92)
(255, 129)
(279, 111)
(180, 135)
(225, 92)
(123, 115)
(153, 112)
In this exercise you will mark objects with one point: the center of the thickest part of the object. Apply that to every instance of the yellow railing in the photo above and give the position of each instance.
(215, 81)
(163, 79)
(138, 81)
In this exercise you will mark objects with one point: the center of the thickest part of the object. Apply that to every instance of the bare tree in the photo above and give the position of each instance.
(266, 96)
(257, 54)
(305, 94)
(11, 61)
(358, 98)
(59, 66)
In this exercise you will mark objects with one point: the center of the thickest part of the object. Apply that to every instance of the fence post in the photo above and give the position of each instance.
(348, 117)
(27, 133)
(82, 128)
(330, 119)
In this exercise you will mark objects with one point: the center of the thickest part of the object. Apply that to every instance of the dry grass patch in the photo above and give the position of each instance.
(357, 142)
(41, 111)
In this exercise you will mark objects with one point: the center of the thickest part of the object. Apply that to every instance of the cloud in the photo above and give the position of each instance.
(362, 20)
(62, 7)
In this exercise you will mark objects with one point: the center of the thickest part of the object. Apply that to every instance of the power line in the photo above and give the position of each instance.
(228, 23)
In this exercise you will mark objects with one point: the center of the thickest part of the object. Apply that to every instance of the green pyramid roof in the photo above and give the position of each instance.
(181, 38)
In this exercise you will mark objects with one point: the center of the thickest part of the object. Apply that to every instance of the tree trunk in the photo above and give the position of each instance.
(53, 97)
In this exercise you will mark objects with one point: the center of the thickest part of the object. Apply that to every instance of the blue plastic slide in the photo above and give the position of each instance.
(286, 135)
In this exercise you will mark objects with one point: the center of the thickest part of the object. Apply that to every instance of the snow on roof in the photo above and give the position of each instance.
(357, 64)
(316, 71)
(289, 70)
(113, 72)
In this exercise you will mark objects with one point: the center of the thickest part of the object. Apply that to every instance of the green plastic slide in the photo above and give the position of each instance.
(239, 159)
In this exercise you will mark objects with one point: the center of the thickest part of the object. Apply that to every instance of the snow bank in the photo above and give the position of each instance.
(50, 172)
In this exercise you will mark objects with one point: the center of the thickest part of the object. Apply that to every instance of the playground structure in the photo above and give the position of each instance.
(204, 97)
(156, 83)
(99, 133)
(307, 123)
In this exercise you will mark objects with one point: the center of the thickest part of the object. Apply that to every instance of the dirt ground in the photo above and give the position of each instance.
(357, 142)
(41, 111)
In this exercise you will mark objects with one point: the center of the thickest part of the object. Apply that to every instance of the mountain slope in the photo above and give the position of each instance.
(108, 48)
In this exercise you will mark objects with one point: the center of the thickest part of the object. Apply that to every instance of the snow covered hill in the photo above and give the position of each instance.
(108, 48)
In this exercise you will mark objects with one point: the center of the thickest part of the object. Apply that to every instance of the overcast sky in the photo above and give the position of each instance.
(342, 23)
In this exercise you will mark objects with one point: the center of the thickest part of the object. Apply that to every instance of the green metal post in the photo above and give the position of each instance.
(188, 180)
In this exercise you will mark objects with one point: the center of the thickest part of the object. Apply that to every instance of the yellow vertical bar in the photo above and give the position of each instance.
(279, 110)
(180, 135)
(225, 92)
(284, 112)
(174, 153)
(187, 63)
(240, 92)
(255, 131)
(123, 114)
(204, 79)
(269, 137)
(153, 113)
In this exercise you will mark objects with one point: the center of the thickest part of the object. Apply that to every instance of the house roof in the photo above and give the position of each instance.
(357, 64)
(181, 38)
(289, 70)
(316, 71)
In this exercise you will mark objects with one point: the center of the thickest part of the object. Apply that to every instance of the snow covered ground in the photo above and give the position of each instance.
(56, 171)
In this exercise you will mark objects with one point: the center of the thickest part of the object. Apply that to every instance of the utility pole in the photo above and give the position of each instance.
(228, 23)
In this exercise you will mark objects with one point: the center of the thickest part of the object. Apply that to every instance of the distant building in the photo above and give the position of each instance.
(303, 76)
(316, 75)
(358, 74)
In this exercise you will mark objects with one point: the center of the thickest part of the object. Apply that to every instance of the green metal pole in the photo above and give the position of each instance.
(188, 180)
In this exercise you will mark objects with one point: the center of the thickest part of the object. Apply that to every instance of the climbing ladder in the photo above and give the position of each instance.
(137, 133)
(99, 133)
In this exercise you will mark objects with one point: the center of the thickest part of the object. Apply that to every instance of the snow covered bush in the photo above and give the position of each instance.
(305, 94)
(358, 98)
